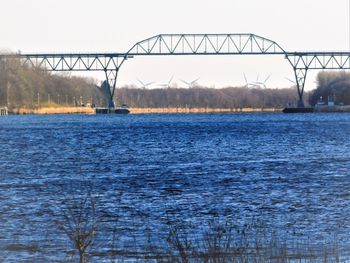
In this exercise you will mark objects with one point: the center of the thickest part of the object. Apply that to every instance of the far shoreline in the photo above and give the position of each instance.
(134, 110)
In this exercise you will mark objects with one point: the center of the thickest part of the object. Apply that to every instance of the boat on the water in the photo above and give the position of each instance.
(321, 106)
(122, 110)
(299, 110)
(118, 110)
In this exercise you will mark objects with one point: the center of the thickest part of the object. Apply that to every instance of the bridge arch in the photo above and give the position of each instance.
(205, 44)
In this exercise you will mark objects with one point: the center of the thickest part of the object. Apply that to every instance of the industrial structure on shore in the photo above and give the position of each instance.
(4, 111)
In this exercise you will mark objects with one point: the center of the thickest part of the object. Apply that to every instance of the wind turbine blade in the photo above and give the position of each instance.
(245, 78)
(269, 76)
(193, 82)
(293, 81)
(171, 79)
(185, 82)
(143, 84)
(257, 78)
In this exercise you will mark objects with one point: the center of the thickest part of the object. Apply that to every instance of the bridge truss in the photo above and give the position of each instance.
(188, 44)
(302, 62)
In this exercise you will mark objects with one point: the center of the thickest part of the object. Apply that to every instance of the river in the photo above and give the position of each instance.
(291, 173)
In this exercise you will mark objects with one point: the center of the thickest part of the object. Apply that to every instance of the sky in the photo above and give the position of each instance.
(115, 25)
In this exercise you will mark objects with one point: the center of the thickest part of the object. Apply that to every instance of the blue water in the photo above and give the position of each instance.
(291, 172)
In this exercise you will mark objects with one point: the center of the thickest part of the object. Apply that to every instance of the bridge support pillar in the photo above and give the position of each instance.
(109, 86)
(300, 77)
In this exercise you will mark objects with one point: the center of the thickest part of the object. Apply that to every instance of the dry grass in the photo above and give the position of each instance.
(55, 110)
(220, 242)
(199, 110)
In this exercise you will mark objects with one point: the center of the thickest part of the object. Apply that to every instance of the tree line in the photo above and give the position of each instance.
(24, 86)
(202, 97)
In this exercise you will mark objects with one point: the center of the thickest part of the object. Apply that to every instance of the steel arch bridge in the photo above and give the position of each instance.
(187, 45)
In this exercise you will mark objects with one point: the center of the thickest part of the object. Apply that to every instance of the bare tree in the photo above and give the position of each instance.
(79, 221)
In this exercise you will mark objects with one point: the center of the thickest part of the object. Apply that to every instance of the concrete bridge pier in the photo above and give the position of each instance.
(108, 87)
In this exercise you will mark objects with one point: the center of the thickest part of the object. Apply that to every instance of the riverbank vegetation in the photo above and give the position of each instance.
(24, 87)
(85, 230)
(201, 97)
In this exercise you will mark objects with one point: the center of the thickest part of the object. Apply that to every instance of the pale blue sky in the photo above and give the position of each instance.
(107, 25)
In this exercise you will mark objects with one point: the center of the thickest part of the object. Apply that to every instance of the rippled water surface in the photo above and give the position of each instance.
(292, 172)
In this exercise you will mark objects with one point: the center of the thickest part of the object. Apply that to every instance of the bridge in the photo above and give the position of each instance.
(187, 45)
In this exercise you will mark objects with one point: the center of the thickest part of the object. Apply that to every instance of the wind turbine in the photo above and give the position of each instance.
(249, 84)
(144, 85)
(190, 84)
(167, 85)
(262, 83)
